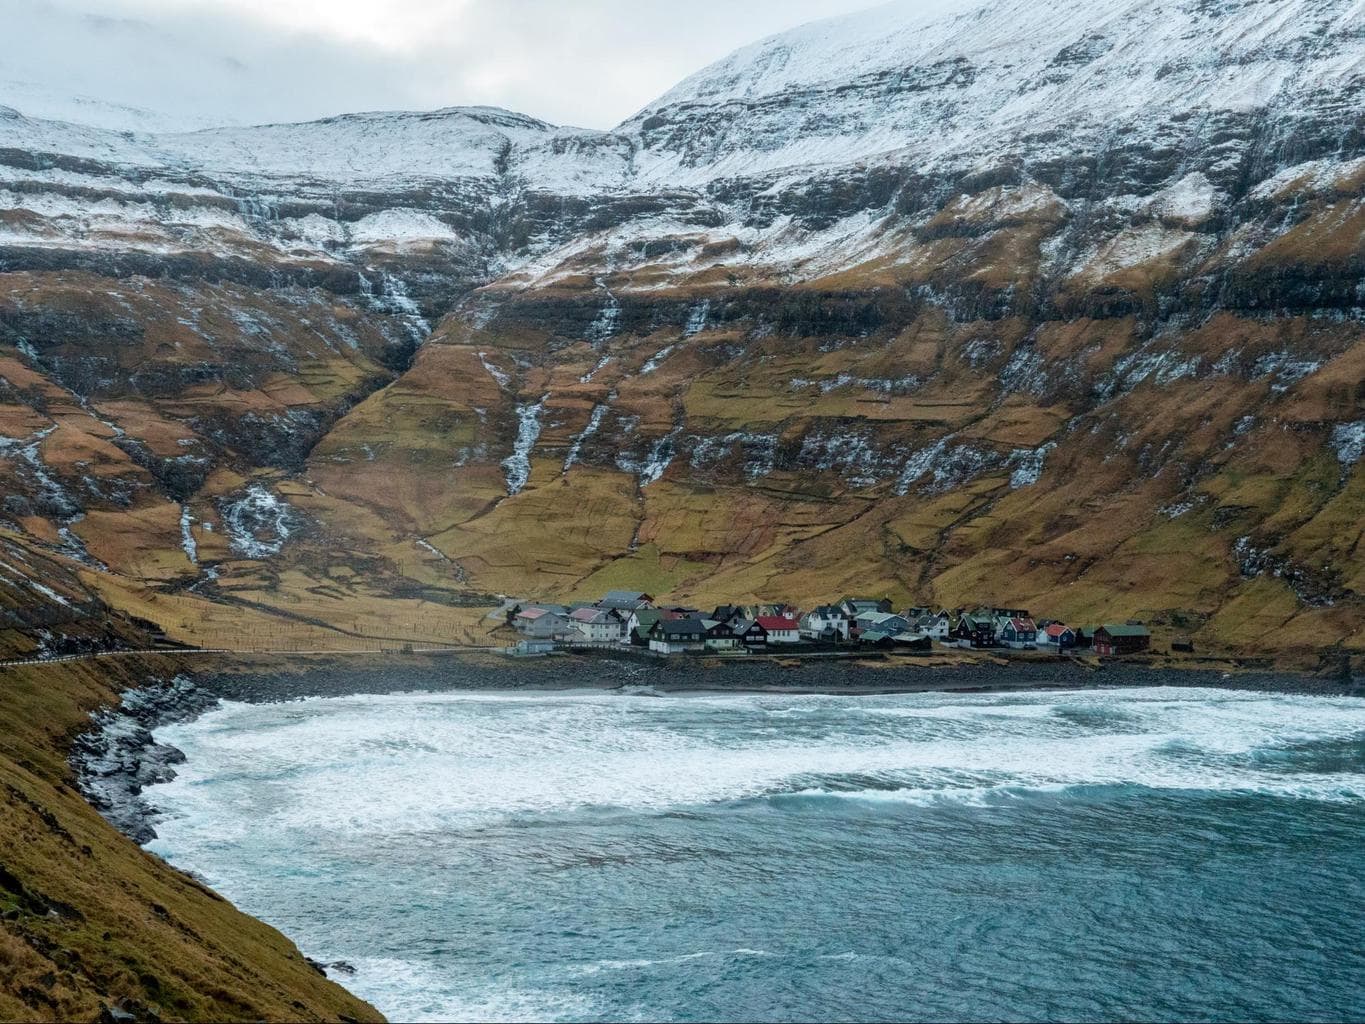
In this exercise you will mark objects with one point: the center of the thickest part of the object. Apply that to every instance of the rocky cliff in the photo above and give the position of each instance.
(1042, 303)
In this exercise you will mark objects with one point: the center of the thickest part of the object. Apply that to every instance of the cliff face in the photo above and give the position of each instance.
(1042, 304)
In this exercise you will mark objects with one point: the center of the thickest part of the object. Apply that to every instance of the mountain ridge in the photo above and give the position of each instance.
(779, 338)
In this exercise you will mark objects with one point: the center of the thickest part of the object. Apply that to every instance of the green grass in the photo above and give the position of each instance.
(95, 920)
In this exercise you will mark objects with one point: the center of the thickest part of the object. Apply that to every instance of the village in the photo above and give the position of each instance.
(630, 620)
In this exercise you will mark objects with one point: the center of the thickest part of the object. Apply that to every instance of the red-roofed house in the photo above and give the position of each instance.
(782, 629)
(1058, 635)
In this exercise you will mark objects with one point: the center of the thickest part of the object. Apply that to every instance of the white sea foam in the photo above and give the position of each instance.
(426, 763)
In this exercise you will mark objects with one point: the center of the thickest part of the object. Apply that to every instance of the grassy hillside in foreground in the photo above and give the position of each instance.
(90, 919)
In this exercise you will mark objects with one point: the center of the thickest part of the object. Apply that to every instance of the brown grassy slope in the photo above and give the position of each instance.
(91, 919)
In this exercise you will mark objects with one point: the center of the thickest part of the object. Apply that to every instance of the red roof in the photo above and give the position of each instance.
(777, 622)
(1023, 625)
(1058, 628)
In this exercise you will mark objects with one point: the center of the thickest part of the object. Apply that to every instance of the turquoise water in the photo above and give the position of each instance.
(1131, 854)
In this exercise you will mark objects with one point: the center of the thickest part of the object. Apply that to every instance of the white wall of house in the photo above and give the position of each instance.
(599, 631)
(815, 626)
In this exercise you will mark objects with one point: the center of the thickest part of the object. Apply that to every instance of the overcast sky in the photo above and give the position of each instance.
(590, 63)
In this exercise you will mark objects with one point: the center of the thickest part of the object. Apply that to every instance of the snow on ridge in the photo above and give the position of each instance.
(891, 80)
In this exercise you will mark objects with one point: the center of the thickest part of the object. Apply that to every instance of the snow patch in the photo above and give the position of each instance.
(1028, 464)
(258, 523)
(517, 466)
(1349, 441)
(594, 422)
(503, 379)
(187, 541)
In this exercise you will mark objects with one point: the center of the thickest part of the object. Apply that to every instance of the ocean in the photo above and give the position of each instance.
(1128, 854)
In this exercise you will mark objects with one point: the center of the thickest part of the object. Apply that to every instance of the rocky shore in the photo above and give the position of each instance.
(117, 759)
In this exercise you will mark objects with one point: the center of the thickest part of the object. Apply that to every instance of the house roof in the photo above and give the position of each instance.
(625, 595)
(772, 622)
(873, 636)
(877, 618)
(1023, 625)
(592, 615)
(679, 627)
(646, 617)
(532, 613)
(1058, 628)
(827, 611)
(1125, 630)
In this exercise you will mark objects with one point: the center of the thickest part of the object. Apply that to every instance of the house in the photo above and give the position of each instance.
(677, 636)
(541, 623)
(1130, 638)
(533, 648)
(975, 630)
(624, 600)
(1010, 613)
(640, 623)
(1058, 635)
(1016, 632)
(1085, 636)
(781, 629)
(597, 625)
(730, 613)
(751, 634)
(913, 642)
(853, 606)
(939, 627)
(882, 622)
(826, 623)
(877, 639)
(720, 636)
(680, 611)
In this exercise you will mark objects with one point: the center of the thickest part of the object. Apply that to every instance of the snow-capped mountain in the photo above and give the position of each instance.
(882, 302)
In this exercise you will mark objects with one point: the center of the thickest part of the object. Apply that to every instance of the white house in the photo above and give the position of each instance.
(597, 624)
(823, 622)
(781, 629)
(541, 623)
(939, 626)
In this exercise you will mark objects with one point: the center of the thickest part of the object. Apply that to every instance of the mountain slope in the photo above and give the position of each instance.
(1049, 304)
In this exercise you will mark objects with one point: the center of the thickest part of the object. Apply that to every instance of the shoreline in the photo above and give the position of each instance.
(325, 677)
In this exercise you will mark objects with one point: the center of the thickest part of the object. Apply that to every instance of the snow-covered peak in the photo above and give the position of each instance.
(49, 104)
(836, 49)
(997, 77)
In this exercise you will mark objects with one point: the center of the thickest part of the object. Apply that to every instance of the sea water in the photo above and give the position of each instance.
(1173, 854)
